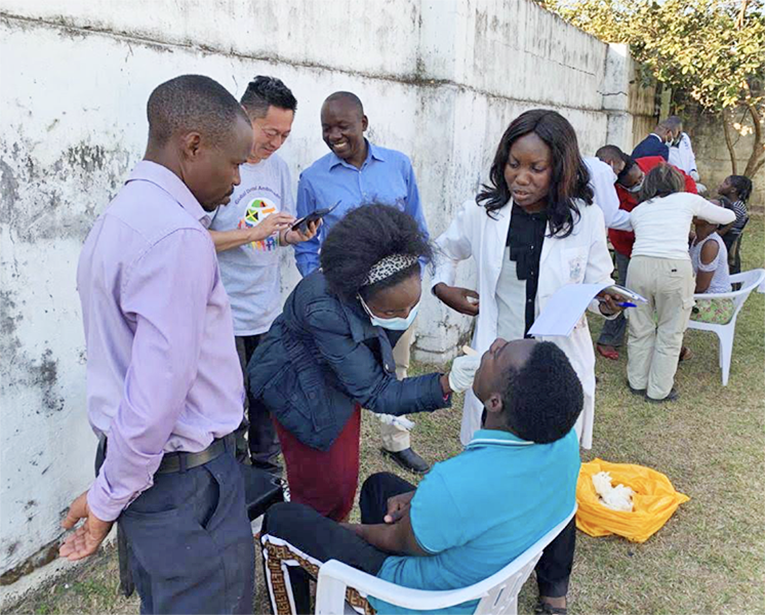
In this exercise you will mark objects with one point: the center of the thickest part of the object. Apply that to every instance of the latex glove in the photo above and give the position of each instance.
(463, 372)
(695, 175)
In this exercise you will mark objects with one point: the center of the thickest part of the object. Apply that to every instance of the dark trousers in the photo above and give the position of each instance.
(324, 539)
(190, 544)
(261, 435)
(613, 331)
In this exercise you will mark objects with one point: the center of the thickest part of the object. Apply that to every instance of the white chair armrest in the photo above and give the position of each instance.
(739, 278)
(415, 599)
(334, 573)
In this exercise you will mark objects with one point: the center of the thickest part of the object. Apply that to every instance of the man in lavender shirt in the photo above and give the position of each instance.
(164, 382)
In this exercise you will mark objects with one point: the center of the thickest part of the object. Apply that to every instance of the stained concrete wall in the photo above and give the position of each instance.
(440, 80)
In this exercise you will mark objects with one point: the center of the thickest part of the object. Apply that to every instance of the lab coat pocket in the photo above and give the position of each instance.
(574, 264)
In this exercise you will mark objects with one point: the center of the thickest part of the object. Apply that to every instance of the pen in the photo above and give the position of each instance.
(626, 304)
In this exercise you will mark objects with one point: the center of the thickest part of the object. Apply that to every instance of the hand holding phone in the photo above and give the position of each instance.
(318, 214)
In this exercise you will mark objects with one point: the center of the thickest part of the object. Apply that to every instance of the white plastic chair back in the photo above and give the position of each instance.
(498, 594)
(749, 280)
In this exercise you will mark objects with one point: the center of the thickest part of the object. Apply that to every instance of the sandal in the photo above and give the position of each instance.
(612, 354)
(686, 354)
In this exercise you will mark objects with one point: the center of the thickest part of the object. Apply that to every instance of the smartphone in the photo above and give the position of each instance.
(317, 214)
(627, 294)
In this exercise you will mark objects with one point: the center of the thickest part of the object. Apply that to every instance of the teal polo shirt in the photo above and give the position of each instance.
(478, 511)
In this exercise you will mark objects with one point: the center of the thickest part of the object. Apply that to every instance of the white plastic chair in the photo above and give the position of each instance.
(497, 594)
(749, 280)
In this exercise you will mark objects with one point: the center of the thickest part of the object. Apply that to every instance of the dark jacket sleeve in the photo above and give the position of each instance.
(359, 372)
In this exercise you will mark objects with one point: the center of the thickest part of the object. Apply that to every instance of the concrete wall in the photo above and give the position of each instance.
(440, 81)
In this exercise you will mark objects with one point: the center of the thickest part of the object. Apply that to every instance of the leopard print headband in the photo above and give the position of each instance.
(388, 266)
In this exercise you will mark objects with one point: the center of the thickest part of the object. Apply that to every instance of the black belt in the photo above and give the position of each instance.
(180, 462)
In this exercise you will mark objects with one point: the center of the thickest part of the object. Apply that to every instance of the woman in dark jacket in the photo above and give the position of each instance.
(330, 353)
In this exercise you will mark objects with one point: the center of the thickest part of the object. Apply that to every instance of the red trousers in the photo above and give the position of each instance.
(324, 480)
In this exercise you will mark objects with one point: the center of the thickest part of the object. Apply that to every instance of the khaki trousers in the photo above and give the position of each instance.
(394, 438)
(654, 343)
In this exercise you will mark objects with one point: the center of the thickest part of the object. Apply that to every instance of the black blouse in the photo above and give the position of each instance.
(525, 238)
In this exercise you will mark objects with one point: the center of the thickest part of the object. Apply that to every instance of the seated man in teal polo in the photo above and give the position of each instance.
(471, 515)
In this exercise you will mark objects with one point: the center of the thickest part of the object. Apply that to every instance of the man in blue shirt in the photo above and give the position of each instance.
(354, 173)
(472, 514)
(657, 143)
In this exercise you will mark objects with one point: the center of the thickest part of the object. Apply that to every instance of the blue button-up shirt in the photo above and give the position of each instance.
(386, 177)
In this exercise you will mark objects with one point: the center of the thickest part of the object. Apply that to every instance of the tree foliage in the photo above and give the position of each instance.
(713, 50)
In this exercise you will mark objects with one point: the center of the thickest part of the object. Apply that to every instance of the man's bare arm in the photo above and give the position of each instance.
(391, 537)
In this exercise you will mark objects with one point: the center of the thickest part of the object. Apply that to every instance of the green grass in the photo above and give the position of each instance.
(709, 558)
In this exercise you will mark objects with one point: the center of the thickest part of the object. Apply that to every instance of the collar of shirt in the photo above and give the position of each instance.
(495, 437)
(372, 152)
(164, 178)
(653, 134)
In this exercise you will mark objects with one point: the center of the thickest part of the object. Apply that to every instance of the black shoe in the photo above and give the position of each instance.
(671, 396)
(545, 608)
(635, 391)
(409, 460)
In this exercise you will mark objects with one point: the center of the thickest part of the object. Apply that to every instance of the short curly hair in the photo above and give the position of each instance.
(192, 103)
(362, 238)
(543, 398)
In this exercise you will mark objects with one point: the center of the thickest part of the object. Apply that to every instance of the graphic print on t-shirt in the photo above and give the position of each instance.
(257, 211)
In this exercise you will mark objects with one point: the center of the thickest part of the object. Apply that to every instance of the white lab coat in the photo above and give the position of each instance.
(683, 157)
(582, 257)
(602, 182)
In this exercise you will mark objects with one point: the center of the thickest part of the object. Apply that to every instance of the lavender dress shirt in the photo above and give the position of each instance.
(163, 373)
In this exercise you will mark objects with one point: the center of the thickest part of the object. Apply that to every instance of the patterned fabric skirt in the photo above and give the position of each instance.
(714, 311)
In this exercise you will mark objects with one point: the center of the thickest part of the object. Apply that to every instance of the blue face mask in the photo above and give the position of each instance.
(392, 324)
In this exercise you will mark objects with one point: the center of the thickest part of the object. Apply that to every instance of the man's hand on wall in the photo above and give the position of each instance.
(86, 539)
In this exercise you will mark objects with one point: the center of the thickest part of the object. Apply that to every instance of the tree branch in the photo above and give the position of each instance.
(742, 15)
(729, 143)
(757, 156)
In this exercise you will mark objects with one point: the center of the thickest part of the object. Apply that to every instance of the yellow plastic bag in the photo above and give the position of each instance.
(654, 502)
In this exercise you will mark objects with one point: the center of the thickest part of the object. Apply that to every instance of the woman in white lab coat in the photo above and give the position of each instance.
(556, 237)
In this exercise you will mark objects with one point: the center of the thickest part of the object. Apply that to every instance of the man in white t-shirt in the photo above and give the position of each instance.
(248, 233)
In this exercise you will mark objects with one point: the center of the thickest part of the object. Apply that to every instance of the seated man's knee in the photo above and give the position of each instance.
(285, 517)
(374, 483)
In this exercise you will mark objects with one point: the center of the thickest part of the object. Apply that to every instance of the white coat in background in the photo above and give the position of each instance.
(683, 157)
(580, 258)
(603, 184)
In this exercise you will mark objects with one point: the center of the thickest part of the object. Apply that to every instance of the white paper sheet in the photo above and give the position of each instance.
(564, 309)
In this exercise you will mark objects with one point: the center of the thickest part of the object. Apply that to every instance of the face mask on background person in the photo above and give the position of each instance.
(392, 324)
(636, 187)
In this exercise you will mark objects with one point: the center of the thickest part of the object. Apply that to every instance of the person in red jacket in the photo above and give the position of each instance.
(628, 184)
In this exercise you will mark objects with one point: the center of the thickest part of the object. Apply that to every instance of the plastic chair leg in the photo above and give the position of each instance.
(726, 353)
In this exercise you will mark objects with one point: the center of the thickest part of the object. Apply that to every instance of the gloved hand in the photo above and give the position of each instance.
(463, 372)
(695, 175)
